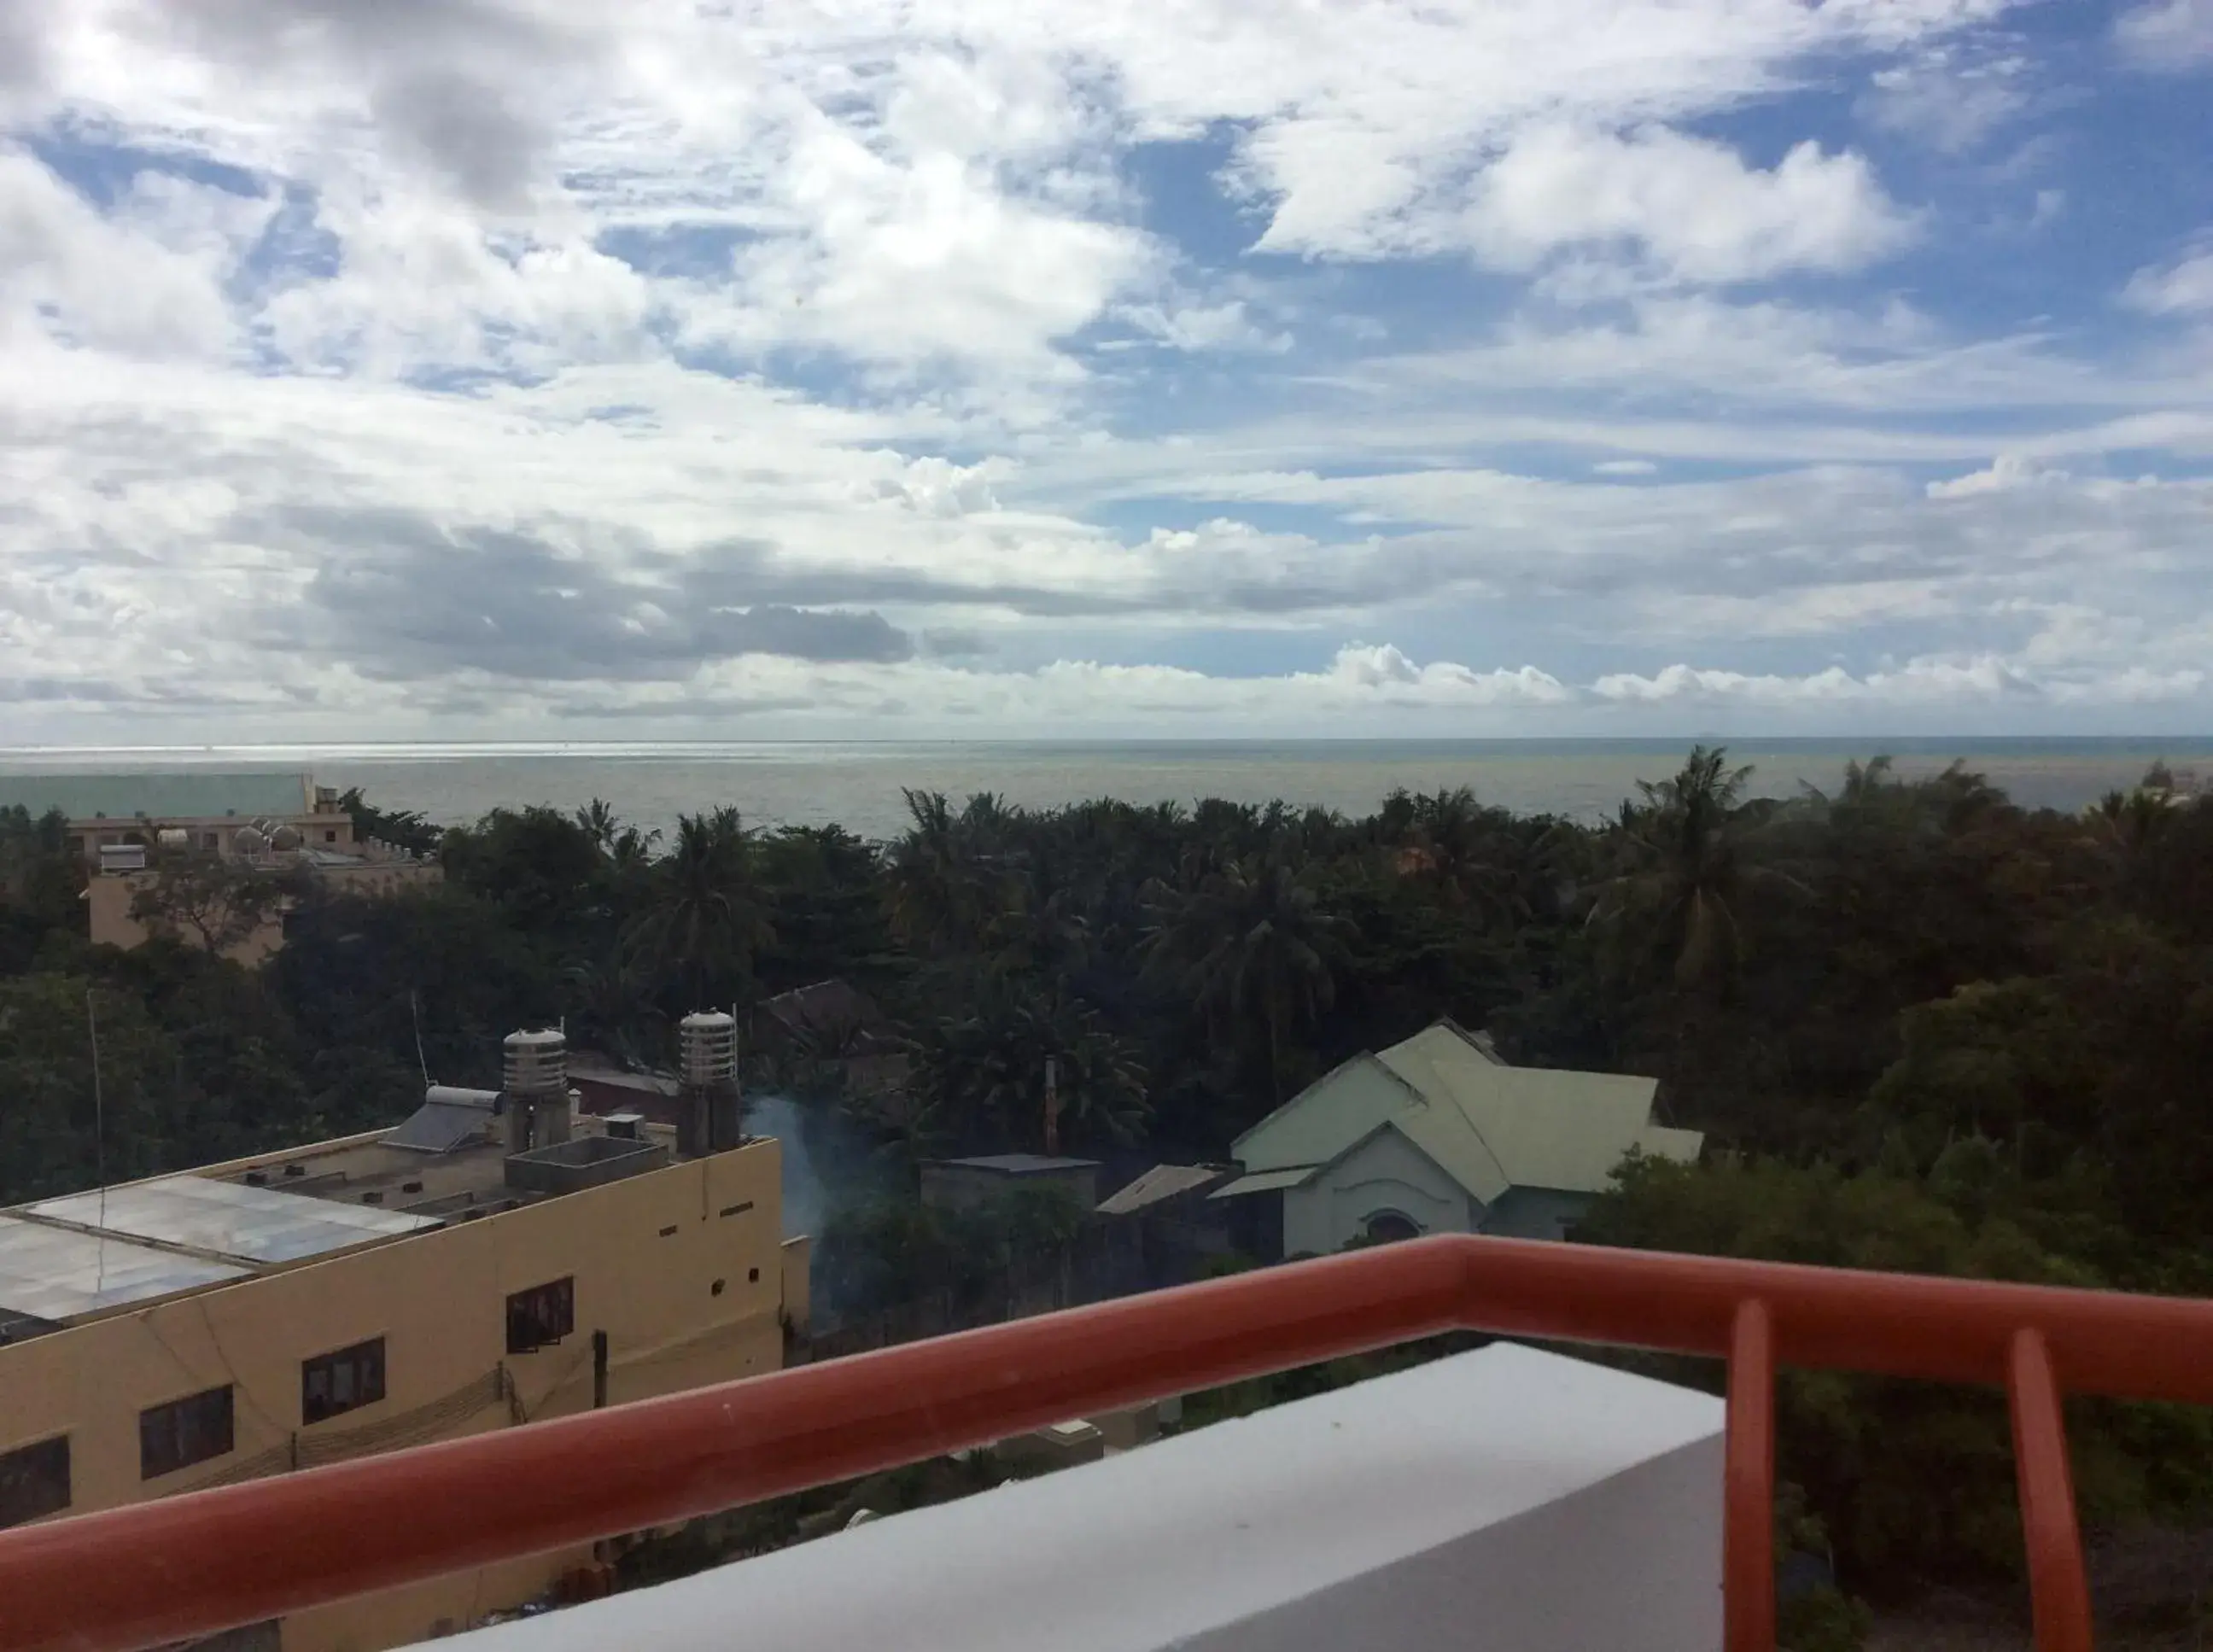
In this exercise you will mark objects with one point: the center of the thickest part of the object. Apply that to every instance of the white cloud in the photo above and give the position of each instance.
(1946, 97)
(145, 279)
(2169, 36)
(1688, 205)
(2006, 473)
(792, 330)
(2183, 288)
(1916, 682)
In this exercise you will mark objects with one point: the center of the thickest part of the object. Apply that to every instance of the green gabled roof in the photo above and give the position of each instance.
(1488, 1125)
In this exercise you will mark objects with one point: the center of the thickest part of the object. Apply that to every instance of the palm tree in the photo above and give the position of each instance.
(623, 847)
(980, 1076)
(1685, 869)
(1252, 945)
(945, 880)
(708, 919)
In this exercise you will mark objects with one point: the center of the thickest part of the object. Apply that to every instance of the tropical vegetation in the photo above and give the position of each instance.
(1922, 1027)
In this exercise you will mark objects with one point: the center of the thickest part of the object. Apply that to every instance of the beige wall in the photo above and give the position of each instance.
(333, 830)
(108, 898)
(439, 1300)
(107, 904)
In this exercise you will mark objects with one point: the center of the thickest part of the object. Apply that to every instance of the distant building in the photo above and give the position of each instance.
(1438, 1134)
(188, 808)
(494, 1260)
(965, 1184)
(128, 827)
(831, 1024)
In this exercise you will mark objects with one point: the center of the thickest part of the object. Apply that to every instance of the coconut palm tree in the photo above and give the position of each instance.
(707, 919)
(981, 1078)
(1686, 870)
(947, 878)
(1255, 950)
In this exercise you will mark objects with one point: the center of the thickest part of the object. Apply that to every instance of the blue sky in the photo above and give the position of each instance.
(525, 369)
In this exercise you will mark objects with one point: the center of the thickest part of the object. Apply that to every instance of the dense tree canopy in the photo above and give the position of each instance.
(1923, 1027)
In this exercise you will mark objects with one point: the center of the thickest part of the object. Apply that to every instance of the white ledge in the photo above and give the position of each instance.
(1506, 1499)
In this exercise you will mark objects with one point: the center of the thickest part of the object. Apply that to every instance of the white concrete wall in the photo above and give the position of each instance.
(1385, 1173)
(1506, 1499)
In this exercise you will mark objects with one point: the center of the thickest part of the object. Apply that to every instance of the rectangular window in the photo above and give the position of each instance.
(34, 1480)
(333, 1383)
(210, 840)
(541, 1315)
(184, 1432)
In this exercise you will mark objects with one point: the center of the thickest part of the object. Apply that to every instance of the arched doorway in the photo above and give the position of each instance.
(1388, 1226)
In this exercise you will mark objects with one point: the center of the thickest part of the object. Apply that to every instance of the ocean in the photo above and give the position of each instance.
(858, 785)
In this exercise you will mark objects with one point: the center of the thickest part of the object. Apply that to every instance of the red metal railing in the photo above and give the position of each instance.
(185, 1566)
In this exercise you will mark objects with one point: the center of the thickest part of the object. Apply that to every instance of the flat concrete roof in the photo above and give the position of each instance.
(172, 794)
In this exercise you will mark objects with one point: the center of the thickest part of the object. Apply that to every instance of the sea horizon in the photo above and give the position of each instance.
(862, 784)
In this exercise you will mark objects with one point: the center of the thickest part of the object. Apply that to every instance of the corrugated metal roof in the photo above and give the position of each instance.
(1538, 1126)
(1327, 1117)
(1488, 1125)
(186, 794)
(1162, 1181)
(1267, 1181)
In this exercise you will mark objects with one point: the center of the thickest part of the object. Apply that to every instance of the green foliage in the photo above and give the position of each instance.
(890, 1252)
(1821, 1620)
(1922, 1028)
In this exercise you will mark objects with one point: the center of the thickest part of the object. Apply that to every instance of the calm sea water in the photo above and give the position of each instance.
(858, 786)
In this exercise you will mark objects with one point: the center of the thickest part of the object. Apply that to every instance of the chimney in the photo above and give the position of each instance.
(708, 1121)
(536, 1089)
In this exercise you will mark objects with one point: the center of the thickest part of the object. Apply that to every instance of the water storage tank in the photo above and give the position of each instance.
(708, 1040)
(537, 1063)
(536, 1073)
(709, 1119)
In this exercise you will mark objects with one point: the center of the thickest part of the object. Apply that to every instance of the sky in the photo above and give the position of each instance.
(551, 369)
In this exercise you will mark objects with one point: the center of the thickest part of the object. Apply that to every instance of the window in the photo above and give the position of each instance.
(540, 1316)
(34, 1480)
(184, 1432)
(330, 835)
(333, 1383)
(1389, 1227)
(210, 840)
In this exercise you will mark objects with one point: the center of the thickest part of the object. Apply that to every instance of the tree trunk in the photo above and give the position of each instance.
(1275, 1060)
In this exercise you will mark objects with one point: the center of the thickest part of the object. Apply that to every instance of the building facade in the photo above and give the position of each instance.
(1436, 1134)
(310, 1305)
(197, 809)
(204, 832)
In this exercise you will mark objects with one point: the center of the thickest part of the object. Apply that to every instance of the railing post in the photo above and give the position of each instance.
(2058, 1592)
(1748, 1484)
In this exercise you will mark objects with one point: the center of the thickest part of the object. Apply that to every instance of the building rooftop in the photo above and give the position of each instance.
(1162, 1181)
(190, 794)
(86, 1254)
(1020, 1164)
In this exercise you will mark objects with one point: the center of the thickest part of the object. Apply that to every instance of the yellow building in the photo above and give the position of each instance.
(200, 809)
(492, 1262)
(112, 896)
